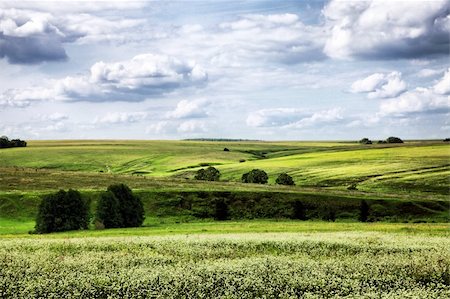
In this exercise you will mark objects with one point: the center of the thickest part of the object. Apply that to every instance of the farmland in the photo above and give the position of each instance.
(180, 252)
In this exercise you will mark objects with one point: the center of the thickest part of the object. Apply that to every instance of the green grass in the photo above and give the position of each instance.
(413, 167)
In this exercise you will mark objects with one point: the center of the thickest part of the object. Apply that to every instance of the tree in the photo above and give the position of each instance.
(210, 174)
(62, 211)
(363, 211)
(365, 141)
(108, 210)
(256, 176)
(299, 210)
(221, 210)
(284, 179)
(5, 142)
(394, 140)
(131, 207)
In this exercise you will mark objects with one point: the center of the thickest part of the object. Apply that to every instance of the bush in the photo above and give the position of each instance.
(299, 210)
(221, 210)
(365, 141)
(210, 174)
(256, 176)
(363, 211)
(108, 210)
(5, 142)
(381, 141)
(226, 150)
(394, 140)
(284, 179)
(131, 208)
(62, 211)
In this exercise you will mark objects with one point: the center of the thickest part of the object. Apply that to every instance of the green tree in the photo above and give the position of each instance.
(284, 179)
(365, 141)
(210, 174)
(394, 140)
(363, 211)
(131, 207)
(255, 176)
(221, 210)
(108, 210)
(62, 211)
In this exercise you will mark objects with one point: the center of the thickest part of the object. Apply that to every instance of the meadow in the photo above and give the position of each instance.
(261, 252)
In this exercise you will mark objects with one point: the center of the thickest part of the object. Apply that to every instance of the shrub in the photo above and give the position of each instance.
(226, 150)
(299, 210)
(394, 140)
(108, 210)
(131, 208)
(284, 179)
(241, 160)
(210, 174)
(221, 210)
(363, 211)
(365, 141)
(5, 142)
(62, 211)
(256, 176)
(381, 141)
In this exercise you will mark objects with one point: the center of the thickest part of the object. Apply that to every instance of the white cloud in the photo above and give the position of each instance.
(293, 118)
(443, 86)
(121, 118)
(142, 77)
(380, 85)
(192, 126)
(387, 29)
(55, 117)
(424, 73)
(420, 100)
(190, 109)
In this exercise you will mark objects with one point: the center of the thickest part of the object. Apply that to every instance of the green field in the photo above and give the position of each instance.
(180, 252)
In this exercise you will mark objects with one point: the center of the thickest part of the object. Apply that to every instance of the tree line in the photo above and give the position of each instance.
(5, 142)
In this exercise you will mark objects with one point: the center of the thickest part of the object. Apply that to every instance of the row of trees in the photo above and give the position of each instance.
(63, 211)
(6, 143)
(255, 176)
(388, 140)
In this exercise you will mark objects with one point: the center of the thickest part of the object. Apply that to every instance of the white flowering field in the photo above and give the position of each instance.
(264, 265)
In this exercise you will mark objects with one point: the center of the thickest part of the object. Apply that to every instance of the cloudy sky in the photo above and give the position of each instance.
(273, 70)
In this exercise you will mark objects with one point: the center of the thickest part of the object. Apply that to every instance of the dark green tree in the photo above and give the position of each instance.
(363, 211)
(210, 174)
(256, 176)
(284, 179)
(62, 211)
(200, 175)
(108, 210)
(365, 141)
(221, 211)
(299, 210)
(394, 140)
(131, 207)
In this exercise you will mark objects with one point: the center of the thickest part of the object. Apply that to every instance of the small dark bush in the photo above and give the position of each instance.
(131, 208)
(221, 210)
(5, 142)
(210, 174)
(299, 210)
(352, 187)
(363, 211)
(285, 179)
(226, 150)
(365, 141)
(381, 141)
(108, 210)
(256, 176)
(62, 211)
(447, 140)
(394, 140)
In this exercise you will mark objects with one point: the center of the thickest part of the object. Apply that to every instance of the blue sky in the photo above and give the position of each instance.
(273, 70)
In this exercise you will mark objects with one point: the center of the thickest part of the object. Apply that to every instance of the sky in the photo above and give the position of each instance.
(266, 70)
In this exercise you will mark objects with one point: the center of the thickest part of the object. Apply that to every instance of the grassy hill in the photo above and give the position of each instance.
(406, 182)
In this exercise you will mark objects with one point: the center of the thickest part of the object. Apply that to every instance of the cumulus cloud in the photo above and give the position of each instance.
(121, 118)
(54, 117)
(192, 126)
(380, 85)
(387, 29)
(33, 36)
(443, 86)
(190, 109)
(144, 76)
(425, 73)
(419, 100)
(293, 118)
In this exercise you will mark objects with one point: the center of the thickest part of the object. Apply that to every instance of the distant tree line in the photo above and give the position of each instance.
(6, 143)
(388, 140)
